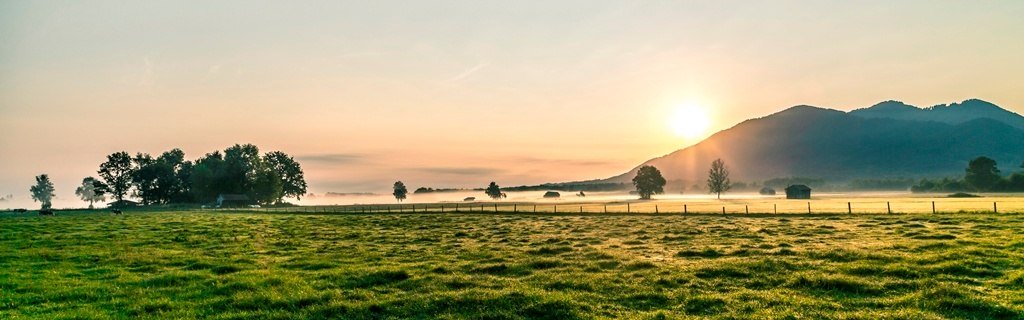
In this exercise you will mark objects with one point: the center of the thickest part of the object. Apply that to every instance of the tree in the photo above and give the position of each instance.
(242, 165)
(206, 177)
(145, 174)
(648, 181)
(493, 191)
(42, 191)
(718, 178)
(91, 190)
(293, 183)
(117, 174)
(172, 171)
(982, 174)
(266, 189)
(400, 191)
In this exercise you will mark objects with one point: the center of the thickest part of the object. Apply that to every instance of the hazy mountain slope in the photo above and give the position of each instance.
(814, 142)
(955, 113)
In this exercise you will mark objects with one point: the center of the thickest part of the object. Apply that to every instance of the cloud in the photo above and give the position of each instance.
(569, 162)
(332, 158)
(468, 72)
(459, 171)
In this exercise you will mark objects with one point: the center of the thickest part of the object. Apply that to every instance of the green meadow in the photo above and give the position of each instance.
(252, 265)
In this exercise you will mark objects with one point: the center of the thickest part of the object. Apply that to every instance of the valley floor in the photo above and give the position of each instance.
(244, 265)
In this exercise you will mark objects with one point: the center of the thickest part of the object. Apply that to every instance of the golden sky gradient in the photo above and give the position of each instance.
(460, 93)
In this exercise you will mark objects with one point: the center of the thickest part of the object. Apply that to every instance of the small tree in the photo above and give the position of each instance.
(91, 190)
(982, 174)
(648, 181)
(400, 191)
(493, 191)
(42, 191)
(718, 178)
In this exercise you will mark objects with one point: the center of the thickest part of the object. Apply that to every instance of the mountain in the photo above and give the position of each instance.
(955, 113)
(887, 140)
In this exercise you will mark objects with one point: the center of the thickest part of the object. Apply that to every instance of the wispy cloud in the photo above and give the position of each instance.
(332, 158)
(570, 162)
(468, 72)
(459, 171)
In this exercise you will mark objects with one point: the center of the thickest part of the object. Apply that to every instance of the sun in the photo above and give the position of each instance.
(690, 121)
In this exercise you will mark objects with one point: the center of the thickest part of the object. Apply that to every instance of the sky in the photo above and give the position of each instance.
(461, 93)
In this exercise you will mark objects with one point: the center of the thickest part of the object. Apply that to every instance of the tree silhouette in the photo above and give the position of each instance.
(648, 181)
(982, 174)
(293, 183)
(42, 191)
(493, 191)
(91, 190)
(718, 178)
(400, 191)
(117, 174)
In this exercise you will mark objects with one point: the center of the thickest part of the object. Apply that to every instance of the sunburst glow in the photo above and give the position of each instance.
(690, 121)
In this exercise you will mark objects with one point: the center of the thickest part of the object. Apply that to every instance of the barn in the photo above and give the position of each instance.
(798, 191)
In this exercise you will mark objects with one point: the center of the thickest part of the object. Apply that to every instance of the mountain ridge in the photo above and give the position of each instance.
(887, 140)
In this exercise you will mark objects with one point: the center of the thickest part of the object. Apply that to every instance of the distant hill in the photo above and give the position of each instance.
(887, 140)
(955, 113)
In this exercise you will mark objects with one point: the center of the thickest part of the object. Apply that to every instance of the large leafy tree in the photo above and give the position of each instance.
(144, 178)
(91, 191)
(718, 178)
(400, 192)
(648, 181)
(493, 190)
(267, 187)
(117, 174)
(242, 165)
(292, 181)
(42, 191)
(982, 174)
(172, 173)
(207, 177)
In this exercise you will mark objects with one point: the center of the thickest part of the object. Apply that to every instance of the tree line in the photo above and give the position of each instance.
(170, 178)
(648, 182)
(981, 175)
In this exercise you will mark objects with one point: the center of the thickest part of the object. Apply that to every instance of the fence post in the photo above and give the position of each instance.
(746, 208)
(808, 207)
(555, 210)
(994, 208)
(606, 208)
(849, 208)
(656, 209)
(627, 207)
(495, 207)
(515, 208)
(534, 208)
(685, 210)
(933, 207)
(723, 209)
(775, 208)
(888, 207)
(389, 208)
(581, 209)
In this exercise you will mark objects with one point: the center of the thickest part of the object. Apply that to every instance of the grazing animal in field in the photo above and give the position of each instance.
(116, 211)
(20, 210)
(46, 212)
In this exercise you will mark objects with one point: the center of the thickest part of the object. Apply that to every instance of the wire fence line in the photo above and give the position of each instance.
(932, 206)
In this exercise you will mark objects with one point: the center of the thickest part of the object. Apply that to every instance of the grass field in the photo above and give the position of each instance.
(244, 265)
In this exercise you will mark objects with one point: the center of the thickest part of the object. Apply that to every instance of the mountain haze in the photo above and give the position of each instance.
(887, 140)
